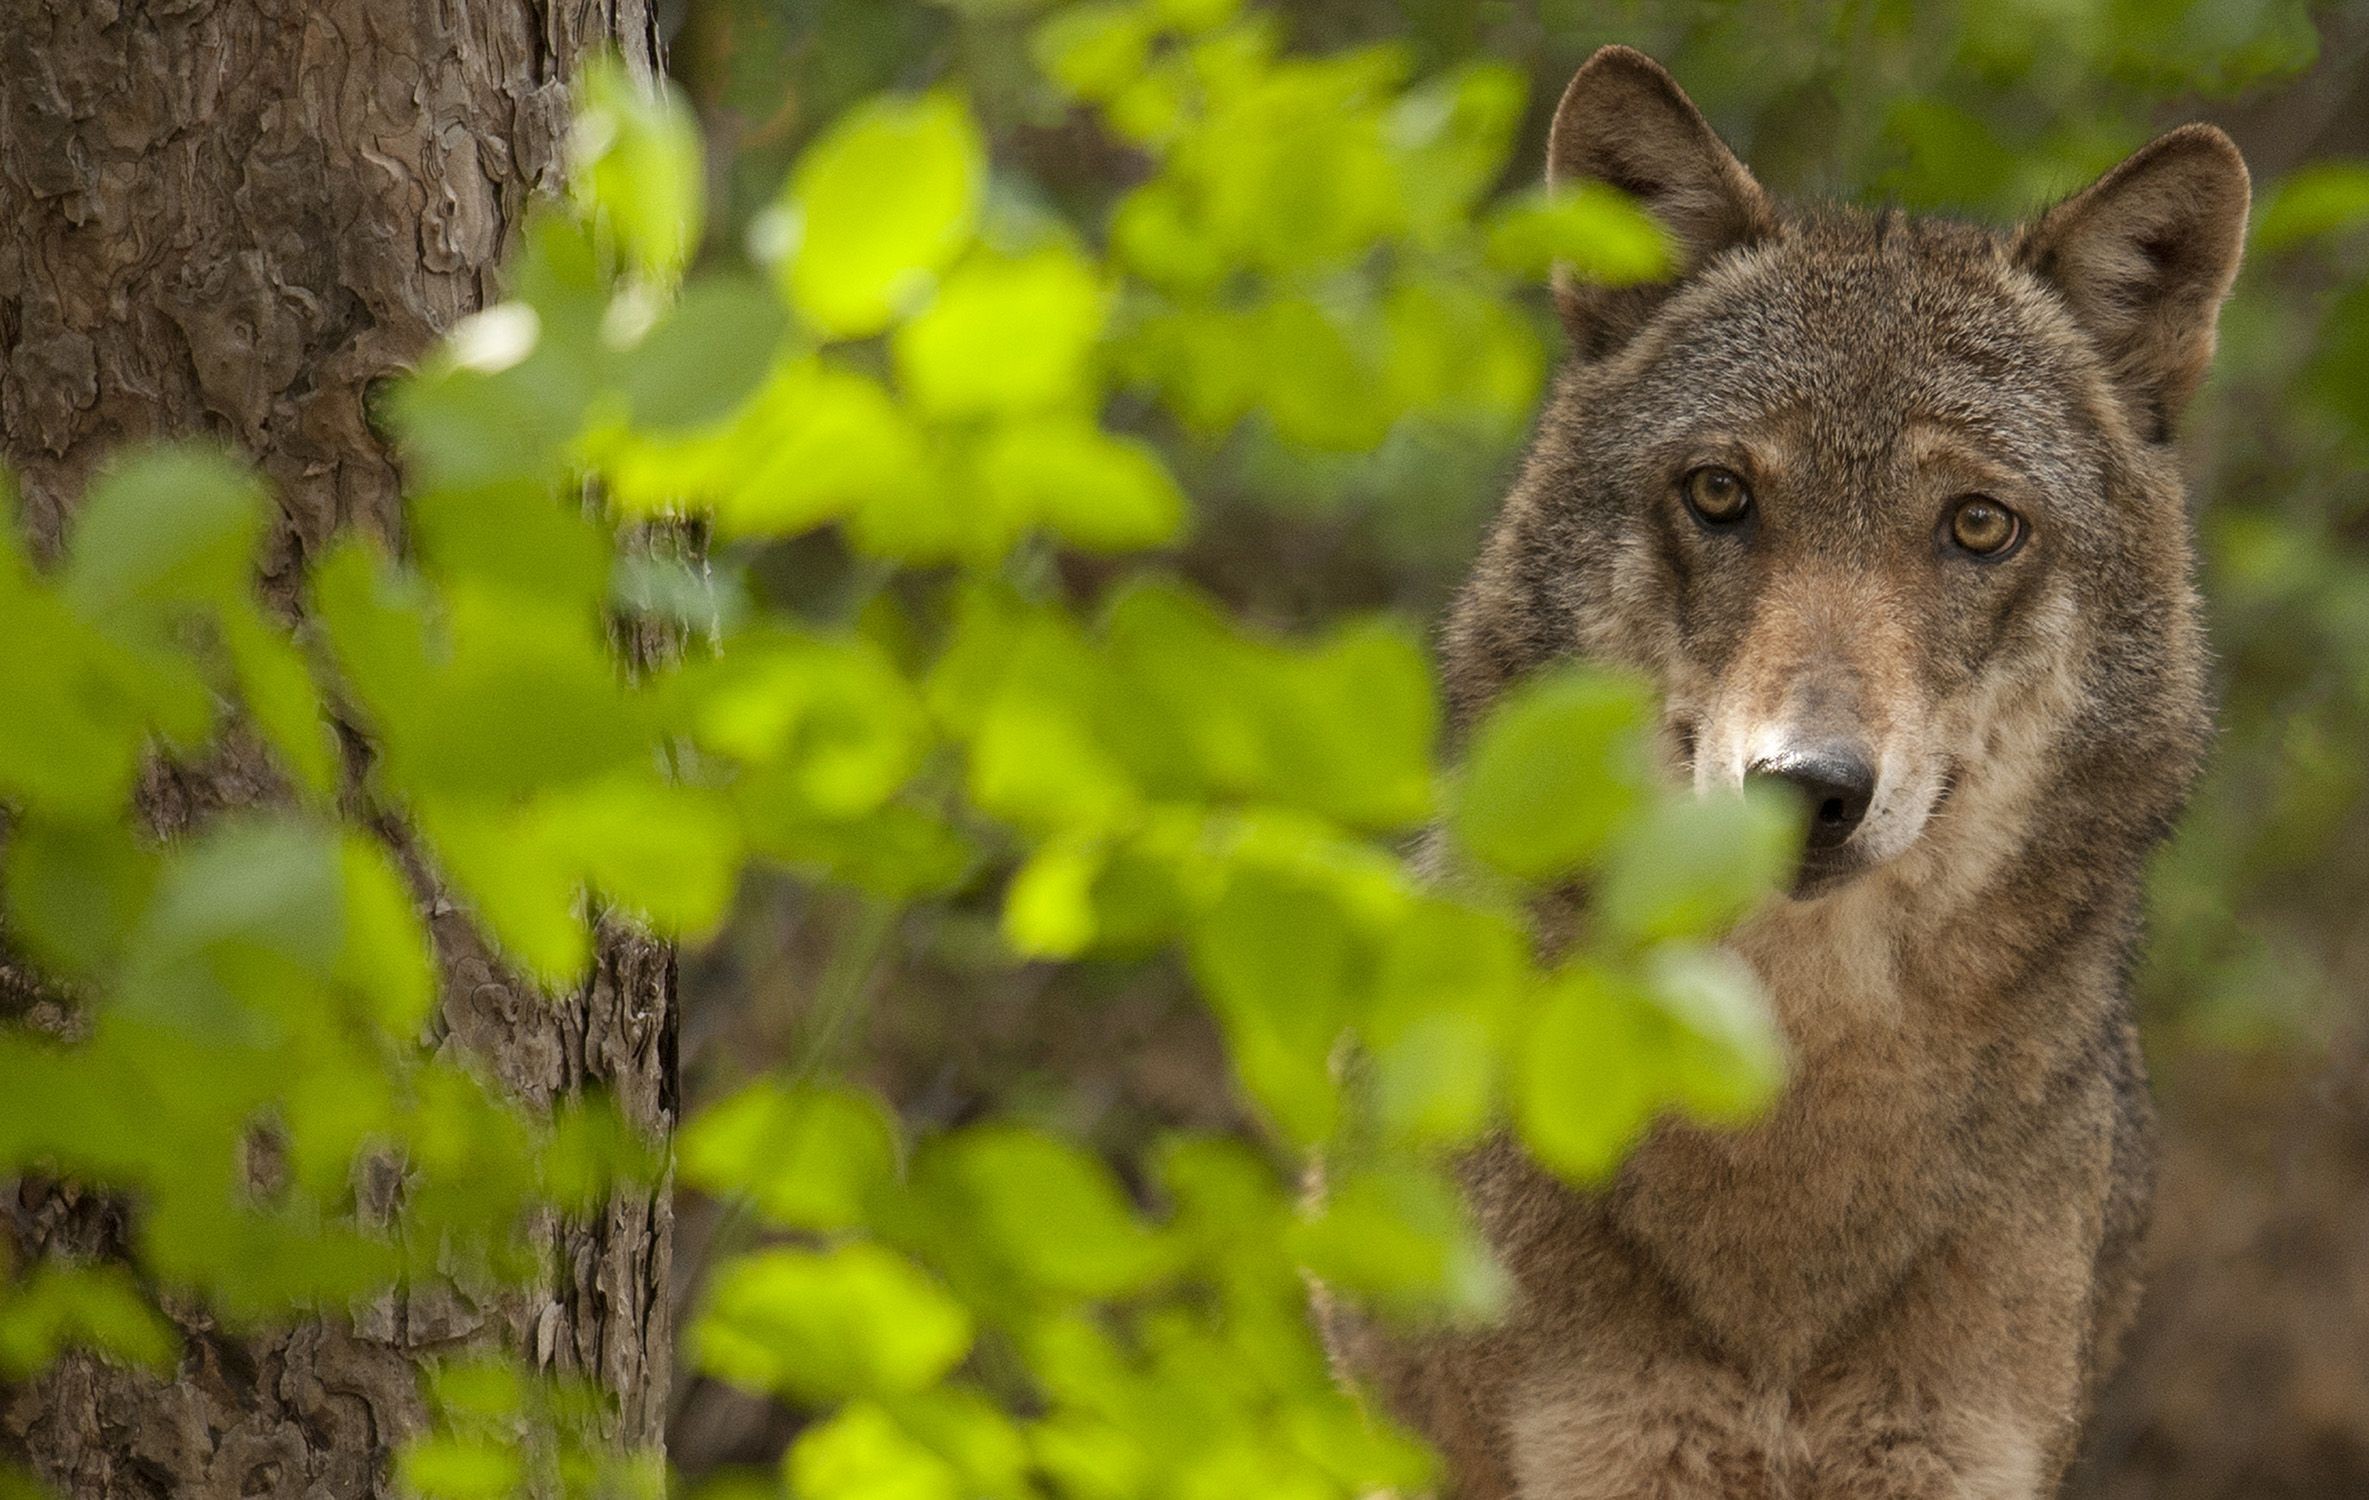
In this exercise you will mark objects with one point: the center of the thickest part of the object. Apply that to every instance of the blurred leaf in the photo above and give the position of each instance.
(1049, 912)
(667, 853)
(1403, 1238)
(1453, 980)
(75, 893)
(521, 888)
(448, 1466)
(383, 952)
(1092, 489)
(1092, 51)
(860, 1453)
(277, 685)
(634, 159)
(853, 1321)
(1696, 864)
(1055, 1215)
(807, 1158)
(2319, 199)
(879, 206)
(97, 1307)
(163, 527)
(1598, 233)
(1560, 765)
(1281, 966)
(1587, 1088)
(1314, 367)
(1004, 335)
(706, 356)
(1729, 1059)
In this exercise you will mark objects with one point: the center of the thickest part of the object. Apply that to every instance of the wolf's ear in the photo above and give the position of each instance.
(1624, 121)
(2143, 257)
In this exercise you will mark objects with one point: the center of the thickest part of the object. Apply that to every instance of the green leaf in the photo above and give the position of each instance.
(1295, 170)
(1590, 1079)
(1694, 865)
(877, 209)
(374, 619)
(1094, 490)
(75, 892)
(100, 1307)
(1401, 1237)
(1359, 721)
(163, 527)
(669, 854)
(264, 880)
(832, 718)
(818, 1326)
(860, 1453)
(1037, 754)
(1093, 51)
(383, 954)
(454, 1466)
(1281, 965)
(1055, 1214)
(805, 1158)
(82, 706)
(514, 539)
(1728, 1060)
(277, 685)
(481, 1385)
(1597, 233)
(1453, 979)
(505, 397)
(1560, 766)
(634, 160)
(1455, 132)
(525, 892)
(1049, 912)
(2317, 199)
(706, 356)
(1004, 334)
(813, 443)
(1314, 365)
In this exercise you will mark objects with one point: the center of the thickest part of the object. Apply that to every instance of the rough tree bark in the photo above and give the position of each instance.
(230, 218)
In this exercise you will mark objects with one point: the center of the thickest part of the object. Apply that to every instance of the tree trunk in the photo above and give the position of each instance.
(231, 218)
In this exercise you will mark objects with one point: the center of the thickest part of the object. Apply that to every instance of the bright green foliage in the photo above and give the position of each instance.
(877, 211)
(1310, 281)
(635, 163)
(954, 389)
(1595, 231)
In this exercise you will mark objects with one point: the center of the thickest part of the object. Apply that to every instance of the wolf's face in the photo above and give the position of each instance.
(1853, 490)
(1880, 504)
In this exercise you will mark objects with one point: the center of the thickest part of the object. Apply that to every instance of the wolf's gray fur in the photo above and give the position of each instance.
(1909, 1278)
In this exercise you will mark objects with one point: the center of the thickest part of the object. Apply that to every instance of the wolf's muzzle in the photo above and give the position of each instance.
(1836, 783)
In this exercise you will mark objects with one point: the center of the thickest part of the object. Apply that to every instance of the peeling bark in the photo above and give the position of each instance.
(231, 218)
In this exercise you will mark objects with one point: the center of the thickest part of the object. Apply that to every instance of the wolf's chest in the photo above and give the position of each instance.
(1774, 1236)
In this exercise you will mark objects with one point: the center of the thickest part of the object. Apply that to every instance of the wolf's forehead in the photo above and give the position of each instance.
(1857, 344)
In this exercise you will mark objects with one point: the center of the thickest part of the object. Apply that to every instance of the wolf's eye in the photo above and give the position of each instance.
(1984, 528)
(1717, 496)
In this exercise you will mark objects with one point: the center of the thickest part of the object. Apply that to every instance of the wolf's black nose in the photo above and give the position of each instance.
(1836, 781)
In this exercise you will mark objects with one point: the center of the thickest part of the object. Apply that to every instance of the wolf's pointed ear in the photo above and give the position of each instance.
(1624, 121)
(2143, 257)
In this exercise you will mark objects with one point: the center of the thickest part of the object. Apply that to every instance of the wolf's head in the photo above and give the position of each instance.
(1883, 505)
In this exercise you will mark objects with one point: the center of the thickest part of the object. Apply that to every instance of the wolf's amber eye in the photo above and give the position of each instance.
(1717, 496)
(1984, 527)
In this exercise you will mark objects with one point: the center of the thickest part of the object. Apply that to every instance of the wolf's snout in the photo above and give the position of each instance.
(1836, 781)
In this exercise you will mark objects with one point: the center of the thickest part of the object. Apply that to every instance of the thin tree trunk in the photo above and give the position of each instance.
(231, 218)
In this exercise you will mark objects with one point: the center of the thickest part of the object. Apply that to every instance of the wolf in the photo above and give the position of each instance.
(1886, 508)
